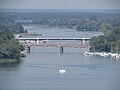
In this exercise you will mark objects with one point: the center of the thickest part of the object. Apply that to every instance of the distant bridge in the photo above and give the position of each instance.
(57, 44)
(38, 39)
(43, 41)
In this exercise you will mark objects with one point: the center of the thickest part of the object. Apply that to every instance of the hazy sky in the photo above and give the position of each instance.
(61, 4)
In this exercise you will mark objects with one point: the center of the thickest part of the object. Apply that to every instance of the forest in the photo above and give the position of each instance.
(81, 21)
(9, 47)
(109, 42)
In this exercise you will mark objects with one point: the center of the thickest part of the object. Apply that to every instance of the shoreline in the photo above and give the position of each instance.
(103, 54)
(7, 61)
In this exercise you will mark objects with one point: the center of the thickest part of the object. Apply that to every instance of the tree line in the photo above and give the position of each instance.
(9, 23)
(9, 46)
(81, 21)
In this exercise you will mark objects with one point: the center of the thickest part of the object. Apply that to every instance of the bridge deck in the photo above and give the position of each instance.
(52, 38)
(36, 41)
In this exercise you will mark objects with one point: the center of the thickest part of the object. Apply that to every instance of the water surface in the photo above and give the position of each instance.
(39, 70)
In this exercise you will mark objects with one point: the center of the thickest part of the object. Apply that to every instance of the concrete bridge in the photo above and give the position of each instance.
(70, 42)
(39, 39)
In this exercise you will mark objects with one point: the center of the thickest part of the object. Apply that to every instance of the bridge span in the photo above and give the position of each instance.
(70, 42)
(61, 45)
(47, 38)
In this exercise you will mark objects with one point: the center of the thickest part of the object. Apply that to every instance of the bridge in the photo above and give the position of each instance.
(70, 42)
(38, 39)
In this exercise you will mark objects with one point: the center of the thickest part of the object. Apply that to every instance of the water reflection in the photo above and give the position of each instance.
(12, 66)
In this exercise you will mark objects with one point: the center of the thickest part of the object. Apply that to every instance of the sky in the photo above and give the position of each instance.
(60, 4)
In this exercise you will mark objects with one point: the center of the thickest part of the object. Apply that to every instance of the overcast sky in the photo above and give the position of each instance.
(60, 4)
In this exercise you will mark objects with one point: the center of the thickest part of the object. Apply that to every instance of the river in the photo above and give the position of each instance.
(39, 70)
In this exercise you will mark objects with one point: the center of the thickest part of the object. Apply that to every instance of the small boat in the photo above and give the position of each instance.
(62, 70)
(117, 56)
(113, 54)
(89, 53)
(104, 54)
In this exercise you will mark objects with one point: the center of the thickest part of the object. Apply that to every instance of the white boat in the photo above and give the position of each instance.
(89, 53)
(86, 53)
(98, 53)
(62, 70)
(104, 54)
(117, 56)
(113, 54)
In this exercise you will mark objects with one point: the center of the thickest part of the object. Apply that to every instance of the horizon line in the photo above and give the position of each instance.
(67, 8)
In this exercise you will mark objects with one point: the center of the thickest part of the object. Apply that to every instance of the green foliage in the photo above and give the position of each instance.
(9, 47)
(81, 21)
(87, 25)
(109, 42)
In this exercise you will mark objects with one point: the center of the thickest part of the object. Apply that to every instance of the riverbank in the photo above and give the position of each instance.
(7, 61)
(103, 54)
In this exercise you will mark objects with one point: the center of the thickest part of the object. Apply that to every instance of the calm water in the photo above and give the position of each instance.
(39, 70)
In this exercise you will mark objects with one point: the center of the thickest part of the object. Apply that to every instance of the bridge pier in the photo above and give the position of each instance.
(83, 41)
(61, 49)
(28, 49)
(37, 41)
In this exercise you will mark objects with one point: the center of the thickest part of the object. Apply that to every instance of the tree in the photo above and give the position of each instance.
(106, 42)
(9, 47)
